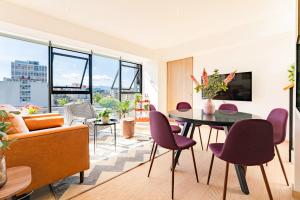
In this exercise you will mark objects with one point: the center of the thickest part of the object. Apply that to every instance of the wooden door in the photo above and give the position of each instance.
(179, 83)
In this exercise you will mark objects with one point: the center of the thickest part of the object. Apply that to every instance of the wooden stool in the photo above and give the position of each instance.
(127, 126)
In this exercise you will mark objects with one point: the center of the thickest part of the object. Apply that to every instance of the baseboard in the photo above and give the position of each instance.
(296, 194)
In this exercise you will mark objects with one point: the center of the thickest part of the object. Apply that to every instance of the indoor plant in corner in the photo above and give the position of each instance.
(210, 87)
(127, 124)
(4, 144)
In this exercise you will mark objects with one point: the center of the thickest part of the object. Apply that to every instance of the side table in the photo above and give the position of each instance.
(18, 179)
(112, 122)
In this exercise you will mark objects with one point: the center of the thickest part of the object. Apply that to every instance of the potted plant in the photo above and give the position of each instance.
(4, 143)
(137, 100)
(105, 115)
(127, 124)
(210, 87)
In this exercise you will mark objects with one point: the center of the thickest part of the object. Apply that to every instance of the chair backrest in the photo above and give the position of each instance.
(152, 107)
(183, 105)
(84, 110)
(249, 142)
(228, 106)
(278, 118)
(161, 131)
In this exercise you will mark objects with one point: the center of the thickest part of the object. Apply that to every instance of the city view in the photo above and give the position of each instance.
(24, 76)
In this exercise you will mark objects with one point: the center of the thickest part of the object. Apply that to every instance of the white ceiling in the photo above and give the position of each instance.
(158, 24)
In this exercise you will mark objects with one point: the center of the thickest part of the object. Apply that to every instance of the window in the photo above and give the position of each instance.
(70, 77)
(21, 82)
(131, 76)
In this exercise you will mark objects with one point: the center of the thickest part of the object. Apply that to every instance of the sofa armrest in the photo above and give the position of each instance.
(52, 154)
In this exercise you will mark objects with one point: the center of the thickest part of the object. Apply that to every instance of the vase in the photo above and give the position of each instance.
(209, 107)
(105, 120)
(3, 175)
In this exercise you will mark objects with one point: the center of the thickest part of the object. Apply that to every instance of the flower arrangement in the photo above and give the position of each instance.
(31, 109)
(213, 84)
(210, 87)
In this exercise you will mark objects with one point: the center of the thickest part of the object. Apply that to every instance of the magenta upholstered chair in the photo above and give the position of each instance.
(248, 143)
(226, 107)
(278, 118)
(187, 106)
(163, 136)
(175, 129)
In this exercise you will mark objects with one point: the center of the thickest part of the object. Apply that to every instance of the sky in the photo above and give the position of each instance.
(65, 70)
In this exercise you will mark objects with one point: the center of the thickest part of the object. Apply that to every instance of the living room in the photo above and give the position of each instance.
(84, 78)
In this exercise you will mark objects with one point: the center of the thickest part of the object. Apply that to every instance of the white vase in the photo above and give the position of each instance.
(209, 107)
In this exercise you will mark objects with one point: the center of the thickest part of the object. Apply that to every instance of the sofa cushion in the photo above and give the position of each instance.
(17, 123)
(39, 123)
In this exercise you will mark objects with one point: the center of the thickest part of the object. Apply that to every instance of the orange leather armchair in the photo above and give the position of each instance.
(52, 153)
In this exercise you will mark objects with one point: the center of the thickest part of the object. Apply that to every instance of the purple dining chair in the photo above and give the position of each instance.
(278, 118)
(175, 129)
(162, 135)
(248, 143)
(226, 107)
(187, 106)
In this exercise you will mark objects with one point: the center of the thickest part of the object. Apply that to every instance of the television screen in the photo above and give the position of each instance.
(239, 89)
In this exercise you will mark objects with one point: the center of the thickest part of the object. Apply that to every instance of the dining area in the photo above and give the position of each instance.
(245, 140)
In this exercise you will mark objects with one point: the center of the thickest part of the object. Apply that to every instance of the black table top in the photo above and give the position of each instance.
(219, 118)
(111, 122)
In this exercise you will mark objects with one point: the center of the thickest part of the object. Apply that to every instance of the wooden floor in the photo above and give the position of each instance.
(135, 185)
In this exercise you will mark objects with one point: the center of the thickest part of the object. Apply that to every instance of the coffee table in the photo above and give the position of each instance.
(112, 122)
(18, 179)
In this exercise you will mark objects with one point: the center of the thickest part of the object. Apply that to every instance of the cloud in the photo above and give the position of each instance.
(102, 80)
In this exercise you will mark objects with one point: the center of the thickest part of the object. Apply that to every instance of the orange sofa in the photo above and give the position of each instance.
(52, 153)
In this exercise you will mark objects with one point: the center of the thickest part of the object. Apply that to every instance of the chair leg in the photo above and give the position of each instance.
(155, 148)
(81, 177)
(225, 181)
(266, 182)
(153, 144)
(173, 170)
(200, 137)
(208, 139)
(195, 166)
(217, 135)
(282, 166)
(210, 168)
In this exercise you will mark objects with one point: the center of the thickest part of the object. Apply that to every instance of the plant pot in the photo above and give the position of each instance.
(105, 120)
(127, 127)
(209, 107)
(3, 174)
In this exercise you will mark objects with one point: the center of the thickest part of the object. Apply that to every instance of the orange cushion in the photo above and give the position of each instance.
(17, 123)
(29, 116)
(44, 122)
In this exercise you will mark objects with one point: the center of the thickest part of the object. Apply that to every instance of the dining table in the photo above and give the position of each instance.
(193, 117)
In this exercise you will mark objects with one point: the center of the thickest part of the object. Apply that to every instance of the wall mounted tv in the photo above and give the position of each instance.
(240, 89)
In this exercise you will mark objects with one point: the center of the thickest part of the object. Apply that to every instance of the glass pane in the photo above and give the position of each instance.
(63, 51)
(130, 79)
(59, 100)
(24, 73)
(68, 72)
(105, 81)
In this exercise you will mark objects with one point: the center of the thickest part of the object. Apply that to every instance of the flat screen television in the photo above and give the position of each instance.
(239, 89)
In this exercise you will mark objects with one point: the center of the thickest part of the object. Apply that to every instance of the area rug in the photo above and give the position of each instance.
(107, 163)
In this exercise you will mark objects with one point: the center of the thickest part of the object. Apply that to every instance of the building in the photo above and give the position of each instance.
(28, 84)
(30, 70)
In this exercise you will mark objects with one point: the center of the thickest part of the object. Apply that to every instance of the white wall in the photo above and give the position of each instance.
(268, 59)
